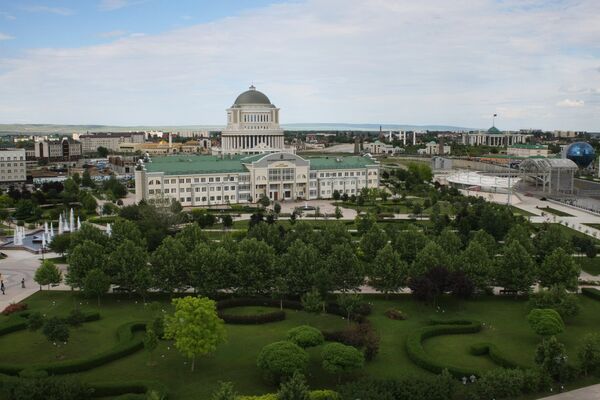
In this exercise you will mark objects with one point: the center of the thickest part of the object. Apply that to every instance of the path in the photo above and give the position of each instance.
(586, 393)
(20, 264)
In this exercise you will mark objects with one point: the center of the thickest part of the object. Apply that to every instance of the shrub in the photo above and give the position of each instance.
(13, 308)
(393, 313)
(501, 383)
(281, 359)
(556, 298)
(76, 317)
(545, 321)
(358, 335)
(589, 353)
(341, 359)
(324, 395)
(439, 387)
(44, 389)
(491, 350)
(305, 336)
(253, 319)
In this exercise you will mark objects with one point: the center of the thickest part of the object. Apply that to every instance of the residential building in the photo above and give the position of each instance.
(110, 140)
(432, 148)
(13, 168)
(64, 149)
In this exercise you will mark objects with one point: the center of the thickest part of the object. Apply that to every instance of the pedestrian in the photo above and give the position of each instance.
(2, 287)
(23, 283)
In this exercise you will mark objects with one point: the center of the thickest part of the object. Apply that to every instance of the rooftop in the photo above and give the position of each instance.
(529, 146)
(194, 164)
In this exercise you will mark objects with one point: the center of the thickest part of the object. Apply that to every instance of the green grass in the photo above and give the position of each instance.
(555, 211)
(235, 361)
(589, 265)
(519, 211)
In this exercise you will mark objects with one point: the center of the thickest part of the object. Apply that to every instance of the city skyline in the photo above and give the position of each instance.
(116, 62)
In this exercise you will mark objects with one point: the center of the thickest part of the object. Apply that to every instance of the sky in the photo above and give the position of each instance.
(535, 63)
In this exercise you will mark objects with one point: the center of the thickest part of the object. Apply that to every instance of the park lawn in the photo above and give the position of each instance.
(519, 211)
(554, 211)
(589, 265)
(504, 318)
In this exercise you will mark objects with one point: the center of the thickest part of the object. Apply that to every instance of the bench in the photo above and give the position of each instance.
(509, 291)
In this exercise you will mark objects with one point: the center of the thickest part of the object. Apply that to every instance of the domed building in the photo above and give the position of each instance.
(252, 126)
(494, 137)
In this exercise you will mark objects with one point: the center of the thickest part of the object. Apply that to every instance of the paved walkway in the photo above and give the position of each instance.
(586, 393)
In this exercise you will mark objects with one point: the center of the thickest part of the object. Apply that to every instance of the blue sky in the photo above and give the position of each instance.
(535, 63)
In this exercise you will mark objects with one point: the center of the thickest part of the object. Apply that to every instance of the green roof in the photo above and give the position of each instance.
(317, 163)
(193, 164)
(184, 164)
(493, 129)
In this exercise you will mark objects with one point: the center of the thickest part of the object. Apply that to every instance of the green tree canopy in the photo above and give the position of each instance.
(195, 327)
(281, 359)
(82, 259)
(389, 272)
(515, 269)
(96, 283)
(341, 359)
(256, 266)
(559, 268)
(170, 265)
(545, 321)
(47, 274)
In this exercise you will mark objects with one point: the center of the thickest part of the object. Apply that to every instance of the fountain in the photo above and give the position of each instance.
(78, 223)
(72, 221)
(108, 230)
(61, 228)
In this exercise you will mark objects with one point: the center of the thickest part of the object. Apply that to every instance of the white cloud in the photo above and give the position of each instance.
(4, 36)
(7, 16)
(112, 34)
(334, 61)
(50, 10)
(570, 103)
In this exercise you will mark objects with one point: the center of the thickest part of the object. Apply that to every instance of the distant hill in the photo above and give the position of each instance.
(45, 129)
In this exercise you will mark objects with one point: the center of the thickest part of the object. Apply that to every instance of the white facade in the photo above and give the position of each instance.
(494, 137)
(252, 126)
(12, 166)
(109, 140)
(525, 150)
(63, 149)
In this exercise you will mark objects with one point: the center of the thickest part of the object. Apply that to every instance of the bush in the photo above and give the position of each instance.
(340, 359)
(439, 387)
(266, 302)
(545, 321)
(556, 298)
(592, 293)
(281, 359)
(44, 389)
(255, 319)
(358, 335)
(76, 317)
(305, 336)
(13, 308)
(393, 313)
(418, 355)
(324, 395)
(501, 383)
(491, 350)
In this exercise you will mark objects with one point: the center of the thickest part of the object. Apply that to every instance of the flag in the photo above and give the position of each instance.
(495, 115)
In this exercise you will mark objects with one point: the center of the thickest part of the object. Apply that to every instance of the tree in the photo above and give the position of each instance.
(170, 265)
(294, 388)
(264, 201)
(487, 241)
(344, 269)
(349, 303)
(302, 261)
(550, 355)
(102, 151)
(82, 259)
(276, 208)
(176, 206)
(389, 272)
(47, 274)
(340, 359)
(150, 344)
(409, 242)
(559, 268)
(476, 264)
(56, 331)
(372, 241)
(227, 221)
(88, 202)
(195, 327)
(336, 195)
(515, 269)
(589, 353)
(86, 179)
(431, 256)
(211, 268)
(281, 359)
(142, 282)
(521, 234)
(312, 301)
(549, 238)
(225, 392)
(255, 267)
(364, 222)
(449, 241)
(125, 262)
(338, 212)
(545, 322)
(96, 283)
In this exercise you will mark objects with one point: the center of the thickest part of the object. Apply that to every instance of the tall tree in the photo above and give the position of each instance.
(515, 269)
(301, 263)
(96, 283)
(409, 242)
(211, 268)
(372, 241)
(477, 265)
(430, 257)
(82, 259)
(256, 267)
(389, 273)
(47, 274)
(170, 265)
(125, 262)
(345, 270)
(559, 268)
(195, 327)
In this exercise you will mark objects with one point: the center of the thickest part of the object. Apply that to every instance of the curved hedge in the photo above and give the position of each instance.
(133, 389)
(126, 344)
(491, 350)
(418, 355)
(253, 319)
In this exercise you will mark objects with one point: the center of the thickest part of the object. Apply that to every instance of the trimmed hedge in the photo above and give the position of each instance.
(592, 293)
(133, 389)
(255, 319)
(491, 350)
(313, 395)
(418, 355)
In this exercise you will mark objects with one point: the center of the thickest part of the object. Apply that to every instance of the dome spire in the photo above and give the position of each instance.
(252, 87)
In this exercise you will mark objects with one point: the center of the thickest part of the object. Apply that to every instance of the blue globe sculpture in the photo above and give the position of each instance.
(581, 153)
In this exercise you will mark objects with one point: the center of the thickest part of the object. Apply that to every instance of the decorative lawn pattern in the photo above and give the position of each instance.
(503, 325)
